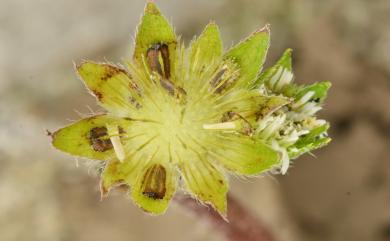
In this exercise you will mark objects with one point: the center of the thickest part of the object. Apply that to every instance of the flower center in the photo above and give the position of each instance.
(170, 129)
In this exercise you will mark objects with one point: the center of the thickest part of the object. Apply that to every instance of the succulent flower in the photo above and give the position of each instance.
(187, 117)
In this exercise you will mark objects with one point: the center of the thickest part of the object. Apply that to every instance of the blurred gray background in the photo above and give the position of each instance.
(343, 194)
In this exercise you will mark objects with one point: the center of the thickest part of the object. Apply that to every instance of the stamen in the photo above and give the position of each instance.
(118, 148)
(113, 132)
(220, 126)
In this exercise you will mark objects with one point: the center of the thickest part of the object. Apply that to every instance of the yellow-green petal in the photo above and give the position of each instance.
(204, 181)
(154, 187)
(117, 172)
(251, 104)
(250, 55)
(244, 155)
(112, 86)
(206, 49)
(88, 137)
(153, 33)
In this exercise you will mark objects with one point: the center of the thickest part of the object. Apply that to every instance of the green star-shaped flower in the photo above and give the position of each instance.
(188, 116)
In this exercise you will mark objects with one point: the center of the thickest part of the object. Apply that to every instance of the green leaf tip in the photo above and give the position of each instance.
(286, 60)
(151, 8)
(207, 48)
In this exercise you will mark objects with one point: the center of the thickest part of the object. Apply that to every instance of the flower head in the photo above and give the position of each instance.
(186, 117)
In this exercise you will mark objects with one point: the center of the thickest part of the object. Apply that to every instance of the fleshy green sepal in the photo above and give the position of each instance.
(250, 55)
(154, 32)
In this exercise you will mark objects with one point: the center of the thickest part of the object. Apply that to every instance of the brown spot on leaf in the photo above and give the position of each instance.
(218, 77)
(157, 57)
(154, 182)
(177, 92)
(98, 94)
(111, 71)
(220, 82)
(99, 139)
(168, 85)
(229, 116)
(157, 53)
(165, 57)
(225, 78)
(121, 131)
(135, 87)
(135, 103)
(49, 133)
(152, 56)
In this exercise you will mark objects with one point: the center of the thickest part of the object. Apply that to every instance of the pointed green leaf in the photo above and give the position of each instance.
(250, 55)
(312, 135)
(153, 33)
(206, 49)
(206, 183)
(294, 152)
(315, 139)
(320, 90)
(88, 138)
(112, 86)
(243, 154)
(155, 187)
(286, 61)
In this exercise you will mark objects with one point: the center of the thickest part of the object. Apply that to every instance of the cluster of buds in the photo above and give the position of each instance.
(293, 129)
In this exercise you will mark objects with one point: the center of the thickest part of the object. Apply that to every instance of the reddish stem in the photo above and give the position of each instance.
(242, 225)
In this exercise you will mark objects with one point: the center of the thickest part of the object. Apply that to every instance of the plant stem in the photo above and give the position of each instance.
(242, 224)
